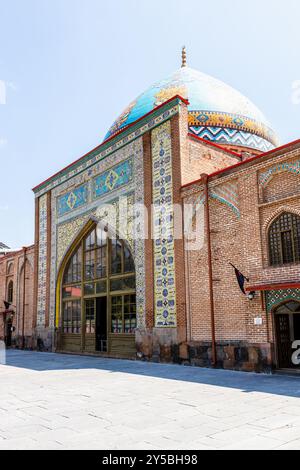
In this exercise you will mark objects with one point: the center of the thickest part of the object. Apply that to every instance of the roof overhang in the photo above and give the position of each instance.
(273, 286)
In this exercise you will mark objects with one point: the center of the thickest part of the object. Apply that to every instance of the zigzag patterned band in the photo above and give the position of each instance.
(213, 119)
(232, 137)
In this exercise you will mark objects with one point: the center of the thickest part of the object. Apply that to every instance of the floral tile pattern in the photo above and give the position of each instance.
(164, 254)
(42, 262)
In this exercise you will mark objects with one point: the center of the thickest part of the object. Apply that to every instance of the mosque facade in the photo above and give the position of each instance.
(177, 239)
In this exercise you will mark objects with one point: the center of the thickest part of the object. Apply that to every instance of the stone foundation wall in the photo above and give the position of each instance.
(163, 346)
(29, 342)
(234, 355)
(158, 344)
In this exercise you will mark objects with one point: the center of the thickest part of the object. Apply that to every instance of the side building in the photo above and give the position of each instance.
(17, 312)
(251, 221)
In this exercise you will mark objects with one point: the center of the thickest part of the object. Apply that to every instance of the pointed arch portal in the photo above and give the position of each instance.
(96, 295)
(287, 330)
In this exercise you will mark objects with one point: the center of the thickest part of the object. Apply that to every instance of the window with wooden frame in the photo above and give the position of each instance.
(284, 240)
(72, 316)
(95, 262)
(73, 272)
(99, 267)
(123, 314)
(90, 315)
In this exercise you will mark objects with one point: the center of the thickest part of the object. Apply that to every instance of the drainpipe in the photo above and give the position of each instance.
(24, 286)
(204, 178)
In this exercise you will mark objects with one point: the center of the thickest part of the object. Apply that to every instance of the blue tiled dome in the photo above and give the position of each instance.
(217, 112)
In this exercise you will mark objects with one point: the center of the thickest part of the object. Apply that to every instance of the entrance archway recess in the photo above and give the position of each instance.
(96, 295)
(287, 331)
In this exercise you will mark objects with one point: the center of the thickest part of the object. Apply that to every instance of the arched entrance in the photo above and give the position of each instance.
(287, 330)
(98, 296)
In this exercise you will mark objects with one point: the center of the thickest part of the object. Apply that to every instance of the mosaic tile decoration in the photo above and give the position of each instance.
(112, 179)
(221, 120)
(67, 232)
(118, 210)
(64, 231)
(139, 244)
(224, 136)
(164, 253)
(42, 262)
(292, 167)
(72, 200)
(276, 297)
(226, 194)
(108, 149)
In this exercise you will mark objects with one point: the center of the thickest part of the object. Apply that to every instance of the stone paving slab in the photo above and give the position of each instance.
(58, 401)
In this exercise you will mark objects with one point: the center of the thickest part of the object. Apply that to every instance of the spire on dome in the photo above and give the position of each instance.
(183, 57)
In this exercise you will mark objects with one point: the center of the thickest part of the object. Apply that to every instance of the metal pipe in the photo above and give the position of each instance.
(204, 178)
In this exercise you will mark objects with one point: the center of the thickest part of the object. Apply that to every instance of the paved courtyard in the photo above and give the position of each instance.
(52, 401)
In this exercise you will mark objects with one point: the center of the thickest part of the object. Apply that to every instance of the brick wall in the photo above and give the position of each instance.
(199, 157)
(242, 240)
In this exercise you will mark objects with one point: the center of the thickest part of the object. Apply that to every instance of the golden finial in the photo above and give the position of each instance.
(183, 57)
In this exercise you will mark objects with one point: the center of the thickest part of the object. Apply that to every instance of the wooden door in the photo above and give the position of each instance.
(283, 340)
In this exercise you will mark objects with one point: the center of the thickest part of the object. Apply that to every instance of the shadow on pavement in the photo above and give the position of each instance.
(247, 382)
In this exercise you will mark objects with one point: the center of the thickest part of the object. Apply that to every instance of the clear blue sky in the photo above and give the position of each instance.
(71, 66)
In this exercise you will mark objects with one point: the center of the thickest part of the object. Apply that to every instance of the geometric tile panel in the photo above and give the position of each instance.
(114, 178)
(115, 213)
(215, 119)
(72, 200)
(275, 297)
(164, 259)
(231, 137)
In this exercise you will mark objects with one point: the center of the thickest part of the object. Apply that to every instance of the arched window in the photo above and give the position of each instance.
(284, 240)
(292, 306)
(98, 290)
(10, 268)
(10, 292)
